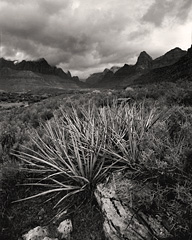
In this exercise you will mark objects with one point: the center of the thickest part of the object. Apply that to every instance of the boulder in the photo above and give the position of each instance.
(44, 233)
(129, 89)
(96, 91)
(65, 228)
(122, 221)
(38, 233)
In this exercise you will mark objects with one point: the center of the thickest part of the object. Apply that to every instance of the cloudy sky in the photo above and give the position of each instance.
(86, 36)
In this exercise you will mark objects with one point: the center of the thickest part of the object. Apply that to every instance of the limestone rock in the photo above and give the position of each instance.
(96, 91)
(129, 89)
(38, 233)
(44, 233)
(122, 222)
(65, 228)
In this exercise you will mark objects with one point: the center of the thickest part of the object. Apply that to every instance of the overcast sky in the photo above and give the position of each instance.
(86, 36)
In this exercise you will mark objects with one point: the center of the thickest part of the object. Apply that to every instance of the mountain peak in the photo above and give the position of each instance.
(114, 69)
(144, 54)
(69, 74)
(106, 70)
(175, 51)
(144, 61)
(41, 61)
(169, 58)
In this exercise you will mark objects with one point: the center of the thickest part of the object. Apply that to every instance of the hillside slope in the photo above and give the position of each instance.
(181, 70)
(33, 75)
(130, 74)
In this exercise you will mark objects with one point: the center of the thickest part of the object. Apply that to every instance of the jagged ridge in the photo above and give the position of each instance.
(129, 74)
(31, 75)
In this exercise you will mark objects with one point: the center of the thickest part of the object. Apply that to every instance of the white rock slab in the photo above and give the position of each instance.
(65, 228)
(38, 233)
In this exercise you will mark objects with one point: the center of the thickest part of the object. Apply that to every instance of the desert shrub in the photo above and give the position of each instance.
(179, 125)
(10, 173)
(175, 95)
(46, 115)
(69, 155)
(186, 99)
(175, 123)
(78, 149)
(7, 139)
(164, 169)
(74, 152)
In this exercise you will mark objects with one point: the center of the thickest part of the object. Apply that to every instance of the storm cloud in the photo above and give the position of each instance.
(160, 11)
(90, 35)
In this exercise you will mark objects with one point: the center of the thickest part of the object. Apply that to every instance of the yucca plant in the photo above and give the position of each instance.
(81, 146)
(69, 157)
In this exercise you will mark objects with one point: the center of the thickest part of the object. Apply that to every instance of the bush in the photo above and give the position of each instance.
(76, 149)
(83, 145)
(70, 155)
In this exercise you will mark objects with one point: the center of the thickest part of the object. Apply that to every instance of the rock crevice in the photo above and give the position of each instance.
(123, 222)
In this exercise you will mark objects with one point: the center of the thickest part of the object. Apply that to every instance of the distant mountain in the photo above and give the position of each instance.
(128, 74)
(114, 69)
(144, 62)
(119, 77)
(39, 74)
(33, 75)
(95, 78)
(169, 58)
(180, 70)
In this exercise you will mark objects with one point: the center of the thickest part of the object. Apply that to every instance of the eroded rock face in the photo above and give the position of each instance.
(122, 222)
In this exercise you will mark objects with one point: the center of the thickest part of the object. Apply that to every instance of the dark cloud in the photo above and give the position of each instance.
(158, 11)
(81, 34)
(184, 10)
(140, 33)
(53, 7)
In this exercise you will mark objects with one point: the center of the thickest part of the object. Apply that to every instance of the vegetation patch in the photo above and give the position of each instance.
(54, 156)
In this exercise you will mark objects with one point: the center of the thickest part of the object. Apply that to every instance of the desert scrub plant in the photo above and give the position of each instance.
(7, 140)
(77, 148)
(164, 164)
(130, 126)
(69, 159)
(83, 144)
